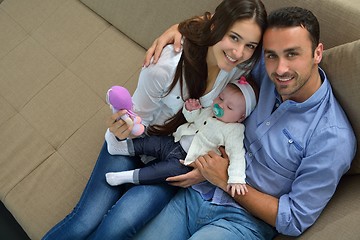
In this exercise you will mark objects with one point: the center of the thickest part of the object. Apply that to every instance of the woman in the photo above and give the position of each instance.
(217, 50)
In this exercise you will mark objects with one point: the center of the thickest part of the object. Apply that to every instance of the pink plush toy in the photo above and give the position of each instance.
(119, 98)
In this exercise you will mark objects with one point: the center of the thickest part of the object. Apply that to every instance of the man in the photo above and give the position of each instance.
(298, 140)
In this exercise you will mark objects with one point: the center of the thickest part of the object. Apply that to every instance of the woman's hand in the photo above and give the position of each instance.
(186, 180)
(214, 168)
(118, 126)
(171, 35)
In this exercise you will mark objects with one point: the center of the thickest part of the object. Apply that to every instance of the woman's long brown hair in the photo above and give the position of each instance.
(199, 34)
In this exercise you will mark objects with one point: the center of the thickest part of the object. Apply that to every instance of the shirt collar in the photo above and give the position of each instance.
(314, 99)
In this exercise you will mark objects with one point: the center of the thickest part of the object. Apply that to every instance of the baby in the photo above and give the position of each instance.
(206, 129)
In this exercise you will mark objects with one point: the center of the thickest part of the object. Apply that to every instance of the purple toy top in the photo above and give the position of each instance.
(120, 98)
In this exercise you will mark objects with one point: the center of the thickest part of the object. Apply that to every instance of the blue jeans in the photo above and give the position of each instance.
(106, 212)
(188, 216)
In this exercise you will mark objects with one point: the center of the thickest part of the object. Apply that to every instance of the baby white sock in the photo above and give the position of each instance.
(114, 146)
(118, 178)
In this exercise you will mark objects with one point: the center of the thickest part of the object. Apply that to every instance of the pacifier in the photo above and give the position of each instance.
(218, 111)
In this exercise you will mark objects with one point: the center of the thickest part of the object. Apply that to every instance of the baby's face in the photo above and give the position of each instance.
(230, 105)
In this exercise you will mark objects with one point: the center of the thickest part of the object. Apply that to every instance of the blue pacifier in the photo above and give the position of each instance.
(218, 111)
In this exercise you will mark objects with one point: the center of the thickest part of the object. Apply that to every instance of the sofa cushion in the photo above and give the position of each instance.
(142, 20)
(341, 64)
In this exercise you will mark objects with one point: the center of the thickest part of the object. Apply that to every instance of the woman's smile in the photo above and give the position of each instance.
(232, 60)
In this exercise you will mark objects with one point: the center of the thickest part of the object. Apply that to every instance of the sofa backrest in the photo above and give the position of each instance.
(144, 20)
(342, 65)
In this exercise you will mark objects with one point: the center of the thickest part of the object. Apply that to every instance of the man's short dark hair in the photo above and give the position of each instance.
(296, 17)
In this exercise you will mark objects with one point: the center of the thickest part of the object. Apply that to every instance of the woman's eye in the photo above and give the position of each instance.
(234, 38)
(251, 46)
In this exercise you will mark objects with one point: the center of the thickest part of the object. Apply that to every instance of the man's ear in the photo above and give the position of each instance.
(318, 53)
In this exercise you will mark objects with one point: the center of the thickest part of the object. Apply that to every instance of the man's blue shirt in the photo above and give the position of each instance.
(296, 152)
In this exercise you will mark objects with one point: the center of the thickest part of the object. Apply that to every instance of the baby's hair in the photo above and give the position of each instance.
(233, 86)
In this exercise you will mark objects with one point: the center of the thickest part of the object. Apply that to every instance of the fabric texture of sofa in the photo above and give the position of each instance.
(58, 58)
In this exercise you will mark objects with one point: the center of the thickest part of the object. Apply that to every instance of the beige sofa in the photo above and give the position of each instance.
(58, 58)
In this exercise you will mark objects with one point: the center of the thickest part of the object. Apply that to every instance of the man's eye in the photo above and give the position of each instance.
(292, 54)
(270, 56)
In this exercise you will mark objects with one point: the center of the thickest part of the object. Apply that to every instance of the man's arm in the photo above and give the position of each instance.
(259, 204)
(171, 35)
(214, 168)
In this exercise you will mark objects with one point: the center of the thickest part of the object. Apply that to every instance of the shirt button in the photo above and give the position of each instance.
(197, 131)
(178, 97)
(205, 123)
(267, 123)
(250, 154)
(291, 141)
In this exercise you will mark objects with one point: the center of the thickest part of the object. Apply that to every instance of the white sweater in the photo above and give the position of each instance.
(209, 134)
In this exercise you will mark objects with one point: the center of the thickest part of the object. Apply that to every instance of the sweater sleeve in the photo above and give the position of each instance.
(191, 116)
(234, 148)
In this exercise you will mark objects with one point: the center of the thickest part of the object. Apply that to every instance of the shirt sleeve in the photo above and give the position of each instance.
(152, 87)
(328, 157)
(235, 150)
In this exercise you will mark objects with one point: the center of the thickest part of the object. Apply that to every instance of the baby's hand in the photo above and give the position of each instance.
(238, 188)
(192, 104)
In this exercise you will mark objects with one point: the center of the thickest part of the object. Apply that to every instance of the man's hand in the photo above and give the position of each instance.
(171, 35)
(188, 179)
(214, 168)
